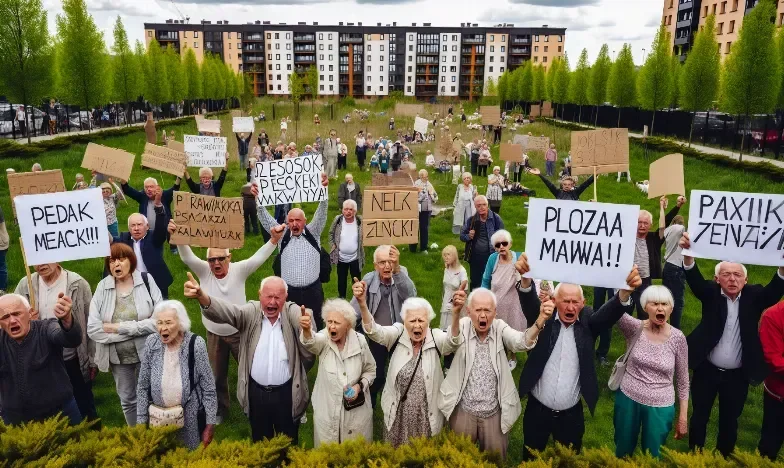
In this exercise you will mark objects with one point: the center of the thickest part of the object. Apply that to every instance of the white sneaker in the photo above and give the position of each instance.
(512, 364)
(303, 419)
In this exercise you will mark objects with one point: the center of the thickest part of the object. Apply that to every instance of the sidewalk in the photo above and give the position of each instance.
(35, 139)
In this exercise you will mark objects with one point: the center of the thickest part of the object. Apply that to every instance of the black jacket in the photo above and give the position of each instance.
(142, 198)
(655, 242)
(216, 184)
(152, 251)
(567, 195)
(754, 299)
(590, 325)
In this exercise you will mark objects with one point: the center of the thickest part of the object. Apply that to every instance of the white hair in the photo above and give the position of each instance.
(481, 198)
(146, 221)
(266, 280)
(228, 251)
(646, 214)
(557, 288)
(379, 250)
(497, 167)
(349, 203)
(467, 174)
(205, 171)
(656, 293)
(717, 270)
(423, 171)
(482, 292)
(178, 308)
(417, 303)
(347, 175)
(37, 166)
(151, 179)
(501, 235)
(19, 298)
(341, 306)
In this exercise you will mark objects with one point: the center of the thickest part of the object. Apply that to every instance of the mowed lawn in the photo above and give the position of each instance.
(425, 270)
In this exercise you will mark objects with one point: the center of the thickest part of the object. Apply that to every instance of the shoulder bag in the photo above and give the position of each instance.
(619, 369)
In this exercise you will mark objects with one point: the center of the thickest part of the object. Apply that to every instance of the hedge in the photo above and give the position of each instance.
(764, 169)
(12, 149)
(55, 444)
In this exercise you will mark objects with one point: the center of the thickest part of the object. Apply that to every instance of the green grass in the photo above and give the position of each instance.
(425, 270)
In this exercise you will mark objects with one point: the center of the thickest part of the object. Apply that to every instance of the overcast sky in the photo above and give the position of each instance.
(589, 23)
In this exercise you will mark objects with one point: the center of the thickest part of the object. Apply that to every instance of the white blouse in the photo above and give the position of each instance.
(171, 382)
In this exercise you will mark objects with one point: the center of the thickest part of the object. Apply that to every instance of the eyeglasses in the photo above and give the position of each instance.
(498, 245)
(384, 263)
(216, 259)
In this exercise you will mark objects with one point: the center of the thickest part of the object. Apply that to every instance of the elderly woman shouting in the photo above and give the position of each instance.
(208, 186)
(414, 376)
(176, 386)
(119, 323)
(341, 396)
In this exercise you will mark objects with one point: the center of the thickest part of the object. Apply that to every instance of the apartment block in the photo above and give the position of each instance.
(419, 60)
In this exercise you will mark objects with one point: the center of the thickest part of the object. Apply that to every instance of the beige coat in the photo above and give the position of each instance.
(431, 365)
(331, 422)
(457, 377)
(247, 319)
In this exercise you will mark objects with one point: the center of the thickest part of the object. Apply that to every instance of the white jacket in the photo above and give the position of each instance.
(102, 311)
(503, 336)
(431, 367)
(331, 422)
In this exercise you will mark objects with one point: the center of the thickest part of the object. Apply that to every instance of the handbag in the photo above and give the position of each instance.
(360, 399)
(161, 417)
(619, 369)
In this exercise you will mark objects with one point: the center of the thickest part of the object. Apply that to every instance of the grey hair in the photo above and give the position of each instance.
(481, 198)
(417, 303)
(496, 167)
(467, 174)
(228, 251)
(656, 293)
(717, 270)
(558, 287)
(205, 170)
(266, 280)
(178, 308)
(37, 166)
(341, 306)
(501, 235)
(349, 203)
(146, 221)
(379, 250)
(646, 214)
(422, 172)
(19, 298)
(482, 291)
(151, 179)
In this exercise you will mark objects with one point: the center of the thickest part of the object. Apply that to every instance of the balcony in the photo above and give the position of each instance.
(683, 24)
(685, 6)
(519, 51)
(254, 37)
(304, 59)
(250, 47)
(254, 69)
(466, 61)
(253, 58)
(304, 48)
(517, 61)
(430, 60)
(168, 36)
(304, 38)
(427, 82)
(520, 40)
(352, 39)
(473, 40)
(478, 71)
(681, 40)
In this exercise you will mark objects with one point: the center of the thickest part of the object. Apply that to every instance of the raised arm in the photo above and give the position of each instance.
(252, 264)
(192, 185)
(772, 292)
(159, 233)
(217, 310)
(581, 188)
(221, 179)
(613, 310)
(194, 263)
(319, 220)
(266, 219)
(516, 341)
(133, 193)
(550, 186)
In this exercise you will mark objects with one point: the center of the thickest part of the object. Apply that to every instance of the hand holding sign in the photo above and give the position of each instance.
(394, 257)
(534, 171)
(681, 201)
(62, 310)
(633, 281)
(158, 196)
(522, 267)
(546, 311)
(172, 227)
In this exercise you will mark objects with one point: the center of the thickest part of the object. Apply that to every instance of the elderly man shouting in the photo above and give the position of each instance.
(388, 287)
(35, 384)
(560, 368)
(478, 396)
(273, 364)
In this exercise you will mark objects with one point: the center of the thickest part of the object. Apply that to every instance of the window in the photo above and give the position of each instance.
(409, 79)
(321, 56)
(721, 29)
(369, 69)
(410, 68)
(270, 69)
(381, 78)
(331, 67)
(288, 46)
(502, 59)
(713, 10)
(727, 49)
(410, 58)
(149, 33)
(443, 59)
(492, 57)
(491, 69)
(411, 37)
(270, 77)
(239, 45)
(382, 47)
(288, 67)
(454, 37)
(330, 78)
(454, 59)
(277, 35)
(278, 77)
(321, 36)
(196, 34)
(271, 88)
(381, 88)
(229, 35)
(502, 69)
(331, 87)
(368, 47)
(321, 77)
(559, 48)
(277, 46)
(269, 46)
(368, 88)
(546, 38)
(269, 36)
(536, 48)
(443, 69)
(734, 5)
(410, 48)
(443, 79)
(185, 34)
(503, 37)
(732, 23)
(545, 48)
(330, 56)
(454, 48)
(277, 56)
(321, 67)
(492, 38)
(321, 46)
(492, 48)
(279, 88)
(321, 87)
(229, 45)
(288, 35)
(443, 49)
(454, 79)
(503, 48)
(453, 69)
(195, 45)
(536, 38)
(536, 59)
(369, 59)
(408, 88)
(544, 59)
(381, 68)
(277, 66)
(382, 37)
(382, 59)
(723, 7)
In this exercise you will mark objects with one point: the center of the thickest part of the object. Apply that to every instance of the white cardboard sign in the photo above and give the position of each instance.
(242, 125)
(63, 226)
(420, 125)
(293, 180)
(737, 227)
(205, 151)
(585, 243)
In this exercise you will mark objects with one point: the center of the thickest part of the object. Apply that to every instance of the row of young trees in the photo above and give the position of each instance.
(748, 82)
(75, 66)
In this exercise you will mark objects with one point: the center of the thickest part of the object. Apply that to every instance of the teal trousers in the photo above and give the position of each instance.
(630, 417)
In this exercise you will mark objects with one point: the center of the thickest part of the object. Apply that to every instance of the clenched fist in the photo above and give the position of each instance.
(360, 290)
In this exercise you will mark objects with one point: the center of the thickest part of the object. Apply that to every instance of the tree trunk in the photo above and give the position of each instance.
(580, 114)
(691, 129)
(743, 138)
(653, 120)
(619, 117)
(596, 120)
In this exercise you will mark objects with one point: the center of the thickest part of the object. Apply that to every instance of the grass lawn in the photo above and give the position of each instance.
(425, 270)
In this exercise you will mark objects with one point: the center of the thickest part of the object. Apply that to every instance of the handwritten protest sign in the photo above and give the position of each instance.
(205, 151)
(208, 125)
(511, 152)
(547, 109)
(666, 176)
(491, 115)
(390, 216)
(607, 150)
(242, 125)
(205, 221)
(521, 140)
(397, 178)
(409, 110)
(108, 161)
(585, 243)
(176, 145)
(62, 227)
(32, 183)
(737, 227)
(532, 143)
(295, 180)
(420, 125)
(164, 159)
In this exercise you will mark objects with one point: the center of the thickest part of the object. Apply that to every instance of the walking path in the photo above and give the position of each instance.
(36, 139)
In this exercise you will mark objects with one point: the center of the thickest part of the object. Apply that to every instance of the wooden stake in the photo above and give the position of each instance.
(29, 278)
(595, 182)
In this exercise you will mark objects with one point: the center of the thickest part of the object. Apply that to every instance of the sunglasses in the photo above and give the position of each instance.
(216, 259)
(501, 244)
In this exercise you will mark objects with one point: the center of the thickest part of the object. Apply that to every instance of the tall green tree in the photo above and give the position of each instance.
(752, 80)
(526, 83)
(699, 79)
(578, 85)
(84, 62)
(208, 78)
(296, 89)
(156, 79)
(490, 88)
(676, 68)
(550, 80)
(654, 85)
(539, 91)
(25, 53)
(780, 53)
(561, 84)
(597, 85)
(513, 91)
(140, 55)
(126, 69)
(621, 87)
(503, 86)
(194, 76)
(247, 94)
(178, 84)
(312, 79)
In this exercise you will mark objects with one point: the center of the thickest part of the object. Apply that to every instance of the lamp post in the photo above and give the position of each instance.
(643, 56)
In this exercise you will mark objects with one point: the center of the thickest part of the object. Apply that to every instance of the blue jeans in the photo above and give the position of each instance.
(243, 161)
(114, 228)
(3, 271)
(69, 410)
(550, 166)
(600, 296)
(674, 278)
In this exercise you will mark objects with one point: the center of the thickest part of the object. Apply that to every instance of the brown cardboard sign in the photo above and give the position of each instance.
(109, 161)
(491, 115)
(409, 110)
(176, 145)
(164, 159)
(536, 110)
(205, 221)
(602, 151)
(538, 144)
(149, 129)
(208, 125)
(397, 178)
(390, 216)
(34, 183)
(511, 152)
(390, 231)
(666, 176)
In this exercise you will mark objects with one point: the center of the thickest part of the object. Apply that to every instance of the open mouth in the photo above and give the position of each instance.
(660, 317)
(165, 336)
(569, 316)
(117, 271)
(15, 329)
(333, 334)
(482, 323)
(417, 335)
